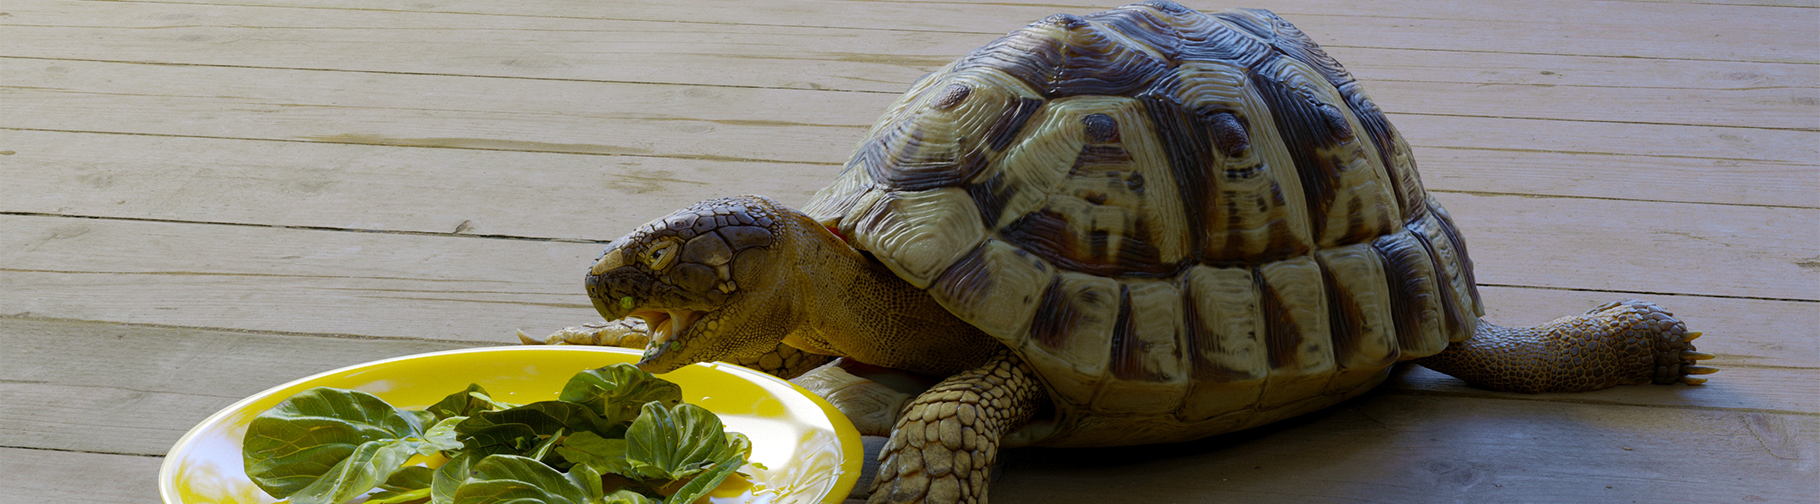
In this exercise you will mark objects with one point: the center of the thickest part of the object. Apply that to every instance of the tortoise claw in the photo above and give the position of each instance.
(1691, 355)
(1690, 336)
(527, 339)
(1692, 380)
(1694, 370)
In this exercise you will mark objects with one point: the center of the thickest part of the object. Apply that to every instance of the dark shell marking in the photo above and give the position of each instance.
(1226, 147)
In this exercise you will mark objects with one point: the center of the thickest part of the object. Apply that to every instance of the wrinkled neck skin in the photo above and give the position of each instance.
(852, 306)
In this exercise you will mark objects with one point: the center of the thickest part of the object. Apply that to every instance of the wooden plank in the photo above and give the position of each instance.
(1374, 65)
(62, 476)
(66, 385)
(501, 46)
(474, 192)
(1529, 135)
(847, 59)
(440, 111)
(1633, 177)
(686, 52)
(1634, 246)
(291, 280)
(1391, 447)
(1632, 29)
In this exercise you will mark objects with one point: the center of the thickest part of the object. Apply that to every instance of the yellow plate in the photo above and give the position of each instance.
(811, 452)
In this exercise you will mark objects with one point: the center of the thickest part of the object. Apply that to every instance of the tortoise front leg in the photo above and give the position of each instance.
(783, 362)
(945, 442)
(1621, 343)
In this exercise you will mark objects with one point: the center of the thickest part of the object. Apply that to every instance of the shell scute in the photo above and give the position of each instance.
(1069, 332)
(1292, 301)
(1225, 329)
(1149, 359)
(1066, 55)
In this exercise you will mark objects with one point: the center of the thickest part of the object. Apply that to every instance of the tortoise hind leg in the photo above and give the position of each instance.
(1621, 343)
(946, 440)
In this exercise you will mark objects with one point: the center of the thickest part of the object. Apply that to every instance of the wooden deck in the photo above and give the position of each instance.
(200, 199)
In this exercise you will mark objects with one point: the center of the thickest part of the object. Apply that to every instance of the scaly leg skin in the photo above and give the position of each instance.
(1620, 343)
(945, 442)
(783, 362)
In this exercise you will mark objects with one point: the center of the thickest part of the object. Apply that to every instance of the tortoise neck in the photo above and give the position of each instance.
(857, 308)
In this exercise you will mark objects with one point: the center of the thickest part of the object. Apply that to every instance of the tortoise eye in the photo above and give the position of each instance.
(661, 255)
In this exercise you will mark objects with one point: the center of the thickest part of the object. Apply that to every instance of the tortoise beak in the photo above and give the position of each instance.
(610, 304)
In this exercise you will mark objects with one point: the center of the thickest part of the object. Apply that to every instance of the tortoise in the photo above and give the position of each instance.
(1145, 225)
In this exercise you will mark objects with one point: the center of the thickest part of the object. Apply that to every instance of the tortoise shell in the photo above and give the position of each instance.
(1198, 219)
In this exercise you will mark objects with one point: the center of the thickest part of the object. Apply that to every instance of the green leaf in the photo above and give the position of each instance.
(706, 481)
(399, 498)
(408, 484)
(628, 497)
(464, 403)
(371, 463)
(509, 479)
(441, 437)
(496, 405)
(587, 479)
(543, 418)
(617, 392)
(543, 449)
(290, 446)
(677, 442)
(600, 454)
(528, 430)
(408, 478)
(450, 476)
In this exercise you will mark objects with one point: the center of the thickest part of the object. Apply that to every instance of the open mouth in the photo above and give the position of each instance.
(667, 328)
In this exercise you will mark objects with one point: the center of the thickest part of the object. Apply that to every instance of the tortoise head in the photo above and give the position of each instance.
(700, 279)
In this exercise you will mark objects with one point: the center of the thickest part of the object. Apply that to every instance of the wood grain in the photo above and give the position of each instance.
(62, 476)
(1633, 29)
(135, 389)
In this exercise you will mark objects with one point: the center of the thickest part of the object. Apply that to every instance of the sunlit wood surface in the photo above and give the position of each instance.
(200, 199)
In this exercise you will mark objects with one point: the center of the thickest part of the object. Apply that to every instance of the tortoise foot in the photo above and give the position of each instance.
(947, 439)
(623, 333)
(1619, 343)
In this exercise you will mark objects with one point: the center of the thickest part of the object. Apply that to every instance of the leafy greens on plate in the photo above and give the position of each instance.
(614, 435)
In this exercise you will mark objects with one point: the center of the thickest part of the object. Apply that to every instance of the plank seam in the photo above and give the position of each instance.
(540, 16)
(1647, 293)
(129, 389)
(1613, 198)
(433, 74)
(91, 452)
(308, 228)
(1777, 162)
(1389, 111)
(1399, 389)
(343, 336)
(699, 157)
